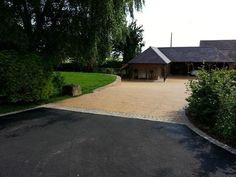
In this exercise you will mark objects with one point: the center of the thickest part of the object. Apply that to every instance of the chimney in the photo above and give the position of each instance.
(171, 39)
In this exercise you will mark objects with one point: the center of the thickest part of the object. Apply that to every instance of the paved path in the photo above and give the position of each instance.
(158, 100)
(55, 143)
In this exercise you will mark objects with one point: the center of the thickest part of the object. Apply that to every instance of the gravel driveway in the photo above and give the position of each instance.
(158, 100)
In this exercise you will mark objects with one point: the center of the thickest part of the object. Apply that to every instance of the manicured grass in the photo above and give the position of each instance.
(87, 81)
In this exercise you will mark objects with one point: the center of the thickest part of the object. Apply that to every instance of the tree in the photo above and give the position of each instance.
(132, 43)
(82, 29)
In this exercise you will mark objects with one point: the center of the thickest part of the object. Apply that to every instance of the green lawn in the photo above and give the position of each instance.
(87, 81)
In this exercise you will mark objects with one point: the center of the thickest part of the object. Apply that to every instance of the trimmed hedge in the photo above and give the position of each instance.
(213, 101)
(24, 79)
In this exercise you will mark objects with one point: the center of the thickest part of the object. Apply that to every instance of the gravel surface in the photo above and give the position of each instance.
(157, 100)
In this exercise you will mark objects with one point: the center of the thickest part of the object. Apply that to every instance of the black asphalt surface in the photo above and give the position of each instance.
(55, 143)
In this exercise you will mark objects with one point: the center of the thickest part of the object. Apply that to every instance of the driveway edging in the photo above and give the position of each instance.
(116, 82)
(143, 117)
(216, 142)
(108, 113)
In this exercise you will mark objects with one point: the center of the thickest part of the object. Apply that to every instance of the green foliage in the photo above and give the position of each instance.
(109, 71)
(112, 64)
(23, 78)
(88, 82)
(58, 82)
(80, 29)
(226, 119)
(204, 101)
(213, 101)
(131, 44)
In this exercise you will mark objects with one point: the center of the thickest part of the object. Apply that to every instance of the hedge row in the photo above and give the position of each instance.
(213, 101)
(23, 78)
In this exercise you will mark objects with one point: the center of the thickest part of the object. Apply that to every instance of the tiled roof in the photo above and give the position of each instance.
(219, 44)
(195, 54)
(227, 47)
(150, 56)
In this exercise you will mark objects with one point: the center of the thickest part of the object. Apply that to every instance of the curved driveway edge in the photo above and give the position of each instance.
(143, 117)
(116, 82)
(52, 143)
(137, 116)
(133, 100)
(209, 138)
(115, 114)
(163, 100)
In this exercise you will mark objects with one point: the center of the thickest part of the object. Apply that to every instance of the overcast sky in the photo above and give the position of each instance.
(189, 20)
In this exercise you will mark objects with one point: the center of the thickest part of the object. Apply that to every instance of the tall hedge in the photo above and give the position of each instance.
(213, 101)
(23, 78)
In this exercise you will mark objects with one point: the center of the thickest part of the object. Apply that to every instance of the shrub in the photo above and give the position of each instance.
(58, 82)
(226, 119)
(110, 71)
(112, 64)
(204, 101)
(213, 101)
(23, 78)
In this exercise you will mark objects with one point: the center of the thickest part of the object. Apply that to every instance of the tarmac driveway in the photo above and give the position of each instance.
(158, 100)
(56, 143)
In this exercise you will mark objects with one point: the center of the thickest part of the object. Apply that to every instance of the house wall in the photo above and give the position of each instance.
(148, 71)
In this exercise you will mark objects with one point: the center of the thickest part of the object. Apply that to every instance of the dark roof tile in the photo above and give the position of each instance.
(219, 44)
(150, 56)
(194, 54)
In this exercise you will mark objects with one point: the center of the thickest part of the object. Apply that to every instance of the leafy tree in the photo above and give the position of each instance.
(37, 34)
(81, 29)
(132, 43)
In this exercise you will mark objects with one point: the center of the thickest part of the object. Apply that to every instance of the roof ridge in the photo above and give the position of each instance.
(150, 55)
(160, 54)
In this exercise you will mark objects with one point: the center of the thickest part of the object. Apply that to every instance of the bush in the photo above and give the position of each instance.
(213, 101)
(226, 119)
(58, 82)
(204, 101)
(23, 78)
(112, 64)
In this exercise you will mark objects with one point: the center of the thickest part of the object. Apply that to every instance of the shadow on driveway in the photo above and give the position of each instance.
(56, 143)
